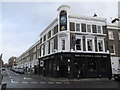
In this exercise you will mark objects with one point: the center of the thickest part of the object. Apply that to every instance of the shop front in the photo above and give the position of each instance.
(76, 65)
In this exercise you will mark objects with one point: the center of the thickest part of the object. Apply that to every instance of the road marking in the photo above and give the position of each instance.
(67, 82)
(12, 80)
(50, 82)
(43, 82)
(15, 82)
(24, 82)
(58, 82)
(27, 78)
(34, 82)
(4, 82)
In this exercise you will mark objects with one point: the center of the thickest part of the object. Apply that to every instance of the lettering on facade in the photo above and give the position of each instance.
(90, 56)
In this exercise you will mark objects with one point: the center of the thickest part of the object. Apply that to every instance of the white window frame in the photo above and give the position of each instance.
(102, 39)
(79, 27)
(87, 28)
(93, 44)
(114, 50)
(46, 48)
(79, 37)
(51, 46)
(41, 50)
(111, 38)
(101, 29)
(62, 38)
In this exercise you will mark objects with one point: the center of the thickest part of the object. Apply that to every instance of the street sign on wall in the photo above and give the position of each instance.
(41, 63)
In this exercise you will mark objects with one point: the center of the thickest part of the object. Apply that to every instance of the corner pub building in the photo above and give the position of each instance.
(75, 46)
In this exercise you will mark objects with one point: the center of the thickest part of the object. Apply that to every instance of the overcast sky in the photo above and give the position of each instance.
(22, 22)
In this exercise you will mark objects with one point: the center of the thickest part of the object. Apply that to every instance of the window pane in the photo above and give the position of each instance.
(88, 28)
(112, 49)
(110, 34)
(72, 26)
(99, 29)
(103, 66)
(83, 27)
(77, 27)
(78, 44)
(100, 45)
(92, 66)
(63, 44)
(89, 43)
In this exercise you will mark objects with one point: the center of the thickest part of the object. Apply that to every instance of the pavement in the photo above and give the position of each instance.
(67, 79)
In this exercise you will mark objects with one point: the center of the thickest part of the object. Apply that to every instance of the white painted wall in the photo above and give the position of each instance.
(115, 65)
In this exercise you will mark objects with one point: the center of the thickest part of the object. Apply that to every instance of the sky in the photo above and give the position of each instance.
(22, 22)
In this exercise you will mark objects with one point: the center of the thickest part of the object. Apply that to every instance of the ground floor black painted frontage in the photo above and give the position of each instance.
(76, 65)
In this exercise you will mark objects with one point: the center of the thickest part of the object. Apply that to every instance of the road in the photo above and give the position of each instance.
(15, 80)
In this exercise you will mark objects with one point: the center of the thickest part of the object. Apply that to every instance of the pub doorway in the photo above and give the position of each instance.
(78, 65)
(63, 70)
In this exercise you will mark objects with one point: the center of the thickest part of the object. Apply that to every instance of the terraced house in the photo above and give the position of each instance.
(71, 46)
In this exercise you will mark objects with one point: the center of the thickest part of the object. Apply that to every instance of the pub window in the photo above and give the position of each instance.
(63, 44)
(83, 27)
(78, 44)
(110, 33)
(112, 49)
(100, 45)
(99, 29)
(49, 66)
(89, 45)
(77, 27)
(89, 28)
(72, 26)
(92, 66)
(103, 66)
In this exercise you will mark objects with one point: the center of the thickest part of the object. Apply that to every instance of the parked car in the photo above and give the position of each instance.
(21, 71)
(3, 69)
(18, 70)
